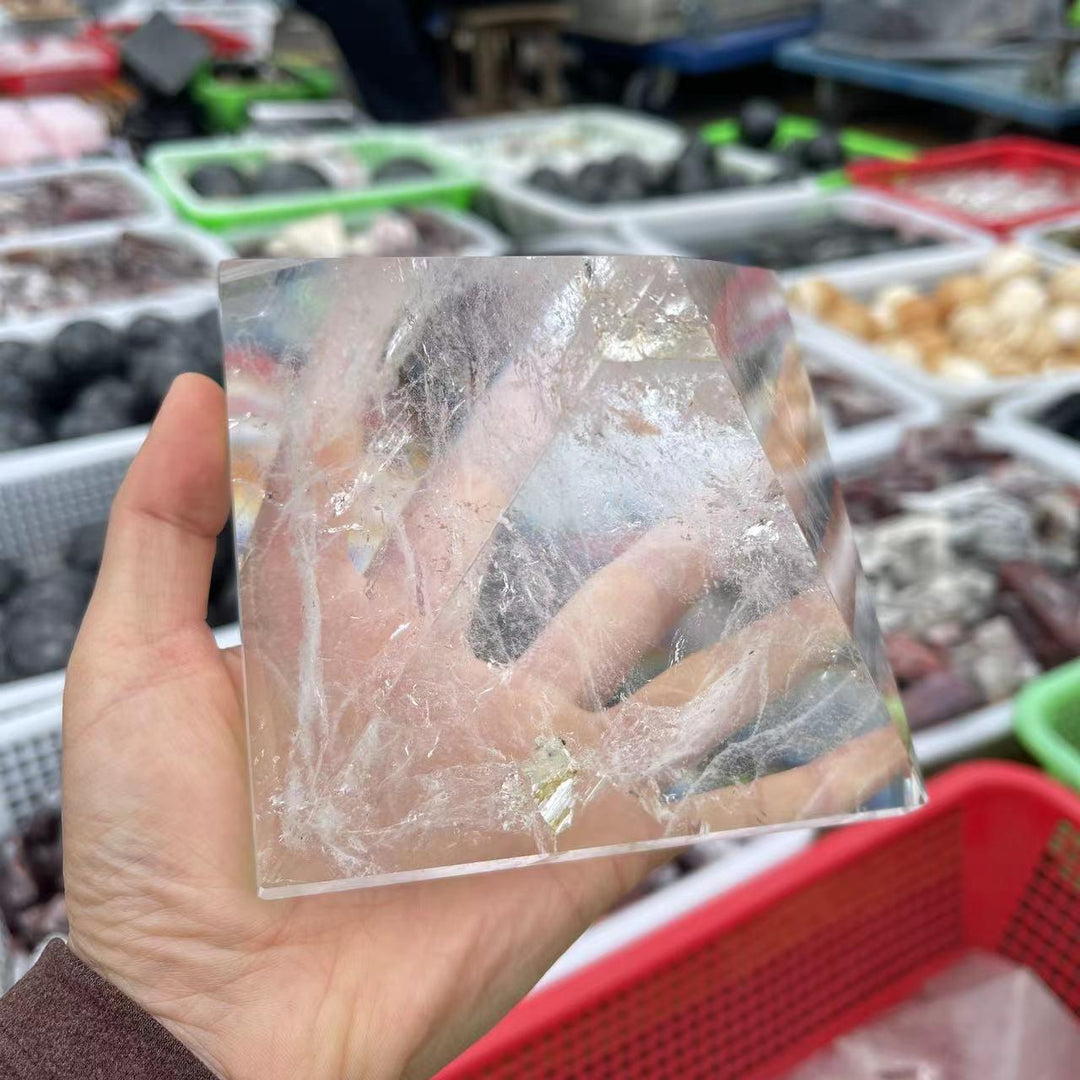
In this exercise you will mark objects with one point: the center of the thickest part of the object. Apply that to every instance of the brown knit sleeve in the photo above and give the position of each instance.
(63, 1020)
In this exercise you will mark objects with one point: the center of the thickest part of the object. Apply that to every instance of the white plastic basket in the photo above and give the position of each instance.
(29, 781)
(43, 498)
(676, 231)
(29, 765)
(41, 502)
(965, 736)
(975, 731)
(863, 281)
(211, 248)
(152, 206)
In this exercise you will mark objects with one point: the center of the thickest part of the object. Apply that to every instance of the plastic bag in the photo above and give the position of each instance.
(985, 1018)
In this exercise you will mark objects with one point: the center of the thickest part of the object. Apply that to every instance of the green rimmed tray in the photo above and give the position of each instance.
(170, 164)
(225, 104)
(857, 143)
(1046, 718)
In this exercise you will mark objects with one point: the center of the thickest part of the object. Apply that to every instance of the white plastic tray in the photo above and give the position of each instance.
(912, 407)
(483, 237)
(17, 698)
(52, 457)
(584, 243)
(513, 145)
(525, 212)
(154, 209)
(1037, 237)
(212, 248)
(1018, 411)
(863, 281)
(966, 735)
(674, 231)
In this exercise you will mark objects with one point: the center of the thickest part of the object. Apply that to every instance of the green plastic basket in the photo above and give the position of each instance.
(225, 104)
(1046, 717)
(858, 144)
(169, 164)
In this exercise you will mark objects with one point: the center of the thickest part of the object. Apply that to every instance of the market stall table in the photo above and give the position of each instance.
(996, 88)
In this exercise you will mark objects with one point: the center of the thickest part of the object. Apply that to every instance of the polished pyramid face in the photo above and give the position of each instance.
(540, 559)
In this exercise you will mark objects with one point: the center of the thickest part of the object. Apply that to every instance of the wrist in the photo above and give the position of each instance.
(240, 1025)
(177, 1017)
(65, 1011)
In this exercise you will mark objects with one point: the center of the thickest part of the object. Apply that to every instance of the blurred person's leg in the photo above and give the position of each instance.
(382, 41)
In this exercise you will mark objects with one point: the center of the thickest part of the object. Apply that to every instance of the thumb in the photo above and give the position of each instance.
(159, 550)
(153, 778)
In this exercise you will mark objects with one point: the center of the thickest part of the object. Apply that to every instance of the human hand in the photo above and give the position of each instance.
(158, 859)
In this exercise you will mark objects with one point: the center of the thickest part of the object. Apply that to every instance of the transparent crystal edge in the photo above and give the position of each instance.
(917, 800)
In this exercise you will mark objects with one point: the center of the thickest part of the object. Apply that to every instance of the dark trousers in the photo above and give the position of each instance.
(391, 60)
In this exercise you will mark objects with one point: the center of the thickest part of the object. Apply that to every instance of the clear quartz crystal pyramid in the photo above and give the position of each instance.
(539, 558)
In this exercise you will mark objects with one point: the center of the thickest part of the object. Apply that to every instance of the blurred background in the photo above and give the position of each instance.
(912, 172)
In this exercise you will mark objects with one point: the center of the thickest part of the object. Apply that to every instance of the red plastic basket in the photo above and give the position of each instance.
(1018, 155)
(748, 986)
(56, 65)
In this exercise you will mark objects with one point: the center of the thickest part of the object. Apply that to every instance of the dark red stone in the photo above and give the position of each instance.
(940, 696)
(38, 922)
(910, 659)
(1045, 608)
(17, 887)
(928, 458)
